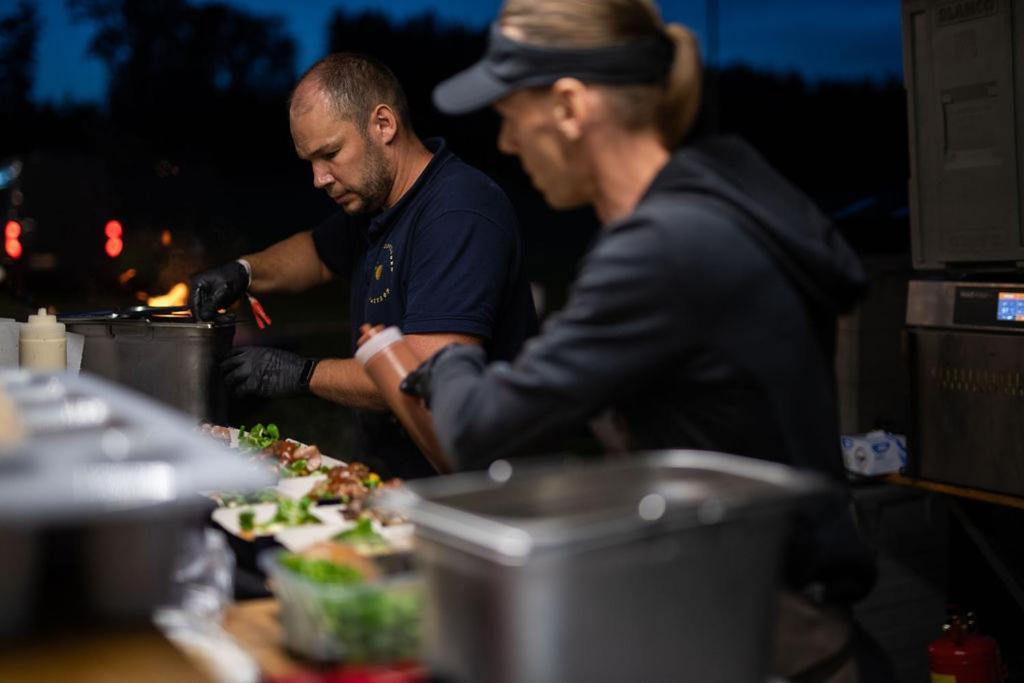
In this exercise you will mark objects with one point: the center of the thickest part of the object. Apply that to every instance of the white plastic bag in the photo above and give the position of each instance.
(874, 453)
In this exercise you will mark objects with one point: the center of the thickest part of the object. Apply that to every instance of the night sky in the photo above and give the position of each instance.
(820, 39)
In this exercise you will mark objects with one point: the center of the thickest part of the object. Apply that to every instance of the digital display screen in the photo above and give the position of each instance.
(1011, 306)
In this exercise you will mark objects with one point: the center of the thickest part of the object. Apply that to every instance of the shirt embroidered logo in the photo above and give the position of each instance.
(378, 273)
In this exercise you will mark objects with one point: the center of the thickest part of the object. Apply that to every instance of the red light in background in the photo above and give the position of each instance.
(114, 231)
(113, 247)
(12, 245)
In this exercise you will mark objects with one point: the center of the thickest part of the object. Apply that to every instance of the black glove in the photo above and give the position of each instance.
(417, 382)
(216, 288)
(267, 372)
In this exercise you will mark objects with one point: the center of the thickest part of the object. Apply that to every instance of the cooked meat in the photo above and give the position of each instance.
(311, 454)
(282, 450)
(386, 517)
(216, 431)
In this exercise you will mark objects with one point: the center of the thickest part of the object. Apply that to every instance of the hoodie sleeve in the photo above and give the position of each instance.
(624, 319)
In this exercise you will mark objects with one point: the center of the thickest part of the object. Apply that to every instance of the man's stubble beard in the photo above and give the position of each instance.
(378, 177)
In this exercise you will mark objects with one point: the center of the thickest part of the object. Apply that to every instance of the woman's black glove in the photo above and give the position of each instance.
(216, 288)
(417, 382)
(267, 372)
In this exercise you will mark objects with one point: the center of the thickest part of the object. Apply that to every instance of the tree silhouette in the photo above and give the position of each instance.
(173, 66)
(19, 32)
(403, 46)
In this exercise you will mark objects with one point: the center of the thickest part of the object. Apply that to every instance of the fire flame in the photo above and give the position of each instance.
(177, 296)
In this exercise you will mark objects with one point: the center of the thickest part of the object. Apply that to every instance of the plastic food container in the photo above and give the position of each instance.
(654, 567)
(373, 621)
(388, 359)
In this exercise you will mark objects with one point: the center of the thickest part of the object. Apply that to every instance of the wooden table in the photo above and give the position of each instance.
(254, 625)
(953, 490)
(118, 657)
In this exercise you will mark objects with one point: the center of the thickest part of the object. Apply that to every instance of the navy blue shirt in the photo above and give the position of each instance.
(445, 258)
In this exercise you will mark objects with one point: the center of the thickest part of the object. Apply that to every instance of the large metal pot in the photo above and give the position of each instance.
(171, 359)
(659, 567)
(95, 499)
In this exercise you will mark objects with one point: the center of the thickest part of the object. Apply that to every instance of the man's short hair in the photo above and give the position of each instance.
(355, 84)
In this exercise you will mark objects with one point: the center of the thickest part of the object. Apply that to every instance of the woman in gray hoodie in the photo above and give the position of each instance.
(702, 317)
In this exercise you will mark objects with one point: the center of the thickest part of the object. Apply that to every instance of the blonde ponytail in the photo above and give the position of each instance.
(681, 101)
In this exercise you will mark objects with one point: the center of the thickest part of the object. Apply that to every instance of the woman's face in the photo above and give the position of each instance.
(529, 131)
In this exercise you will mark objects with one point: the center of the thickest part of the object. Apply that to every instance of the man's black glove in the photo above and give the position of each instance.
(267, 372)
(216, 288)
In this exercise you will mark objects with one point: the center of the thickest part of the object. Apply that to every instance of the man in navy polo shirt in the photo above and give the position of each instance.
(429, 244)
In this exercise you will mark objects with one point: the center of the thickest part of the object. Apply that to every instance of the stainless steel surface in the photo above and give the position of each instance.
(91, 513)
(967, 382)
(965, 151)
(132, 312)
(659, 567)
(174, 361)
(930, 302)
(969, 393)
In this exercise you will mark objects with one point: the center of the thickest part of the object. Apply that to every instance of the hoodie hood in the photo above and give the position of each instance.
(801, 239)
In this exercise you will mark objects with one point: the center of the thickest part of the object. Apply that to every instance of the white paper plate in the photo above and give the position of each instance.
(399, 535)
(297, 487)
(300, 538)
(329, 515)
(331, 462)
(228, 517)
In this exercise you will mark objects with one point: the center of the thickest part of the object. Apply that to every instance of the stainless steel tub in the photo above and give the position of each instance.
(660, 567)
(93, 510)
(172, 360)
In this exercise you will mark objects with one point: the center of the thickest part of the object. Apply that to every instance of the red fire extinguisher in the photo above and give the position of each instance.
(962, 655)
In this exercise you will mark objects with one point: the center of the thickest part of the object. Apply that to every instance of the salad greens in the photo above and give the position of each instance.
(362, 535)
(371, 622)
(293, 513)
(234, 499)
(288, 513)
(259, 437)
(297, 468)
(246, 520)
(321, 571)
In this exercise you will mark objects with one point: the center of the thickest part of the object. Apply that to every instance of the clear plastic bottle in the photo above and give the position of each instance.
(44, 343)
(387, 359)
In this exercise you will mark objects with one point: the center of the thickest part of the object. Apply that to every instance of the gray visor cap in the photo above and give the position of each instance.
(509, 65)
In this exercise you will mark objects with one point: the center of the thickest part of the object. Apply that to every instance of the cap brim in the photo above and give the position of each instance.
(469, 90)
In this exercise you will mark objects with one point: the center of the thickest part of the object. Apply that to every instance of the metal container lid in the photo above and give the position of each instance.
(94, 450)
(162, 324)
(156, 316)
(511, 513)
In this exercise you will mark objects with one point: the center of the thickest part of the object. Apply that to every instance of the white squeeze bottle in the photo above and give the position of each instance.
(44, 344)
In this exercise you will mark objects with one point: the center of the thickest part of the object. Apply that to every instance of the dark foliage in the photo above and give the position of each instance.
(19, 32)
(194, 135)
